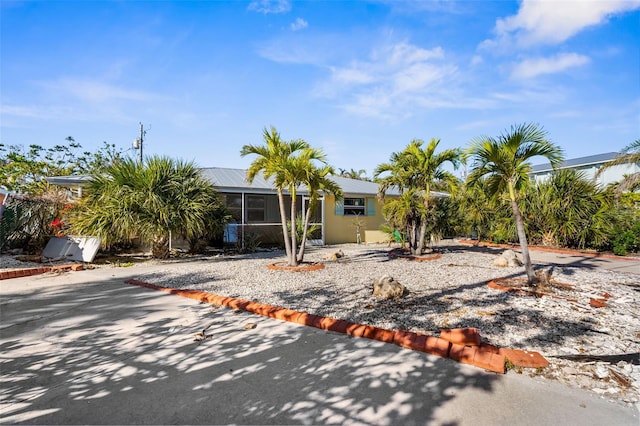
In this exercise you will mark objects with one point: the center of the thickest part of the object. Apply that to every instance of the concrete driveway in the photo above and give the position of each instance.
(85, 348)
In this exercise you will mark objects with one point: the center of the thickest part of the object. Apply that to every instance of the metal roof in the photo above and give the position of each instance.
(234, 180)
(68, 180)
(229, 180)
(580, 161)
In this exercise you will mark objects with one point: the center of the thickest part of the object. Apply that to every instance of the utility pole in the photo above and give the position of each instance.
(137, 143)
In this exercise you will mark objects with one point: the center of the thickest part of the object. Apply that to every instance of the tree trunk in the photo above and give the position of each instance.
(293, 259)
(283, 219)
(303, 243)
(524, 246)
(413, 237)
(160, 247)
(420, 237)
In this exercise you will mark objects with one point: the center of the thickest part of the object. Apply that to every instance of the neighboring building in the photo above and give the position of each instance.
(589, 166)
(255, 208)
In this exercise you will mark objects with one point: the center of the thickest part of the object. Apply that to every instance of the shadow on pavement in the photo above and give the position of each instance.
(109, 353)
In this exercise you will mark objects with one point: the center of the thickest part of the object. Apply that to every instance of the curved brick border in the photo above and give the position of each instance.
(282, 266)
(394, 254)
(18, 273)
(550, 250)
(460, 344)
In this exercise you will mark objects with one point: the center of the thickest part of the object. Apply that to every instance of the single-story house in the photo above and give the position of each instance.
(255, 210)
(589, 166)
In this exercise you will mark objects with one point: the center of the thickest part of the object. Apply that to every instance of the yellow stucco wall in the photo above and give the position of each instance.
(341, 229)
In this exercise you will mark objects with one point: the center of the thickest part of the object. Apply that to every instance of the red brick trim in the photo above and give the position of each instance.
(27, 272)
(460, 344)
(304, 267)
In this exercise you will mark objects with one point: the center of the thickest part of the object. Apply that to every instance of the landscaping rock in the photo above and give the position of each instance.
(388, 288)
(507, 258)
(334, 256)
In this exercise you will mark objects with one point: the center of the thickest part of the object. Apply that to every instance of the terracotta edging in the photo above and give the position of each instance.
(394, 255)
(27, 272)
(465, 345)
(550, 250)
(300, 268)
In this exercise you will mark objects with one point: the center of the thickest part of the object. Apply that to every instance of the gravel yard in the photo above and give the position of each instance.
(592, 348)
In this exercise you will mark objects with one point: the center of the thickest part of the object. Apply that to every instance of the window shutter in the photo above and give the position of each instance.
(371, 206)
(339, 208)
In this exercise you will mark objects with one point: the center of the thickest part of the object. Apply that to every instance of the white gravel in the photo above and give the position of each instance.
(448, 292)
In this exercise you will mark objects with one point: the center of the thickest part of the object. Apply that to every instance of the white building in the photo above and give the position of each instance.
(589, 166)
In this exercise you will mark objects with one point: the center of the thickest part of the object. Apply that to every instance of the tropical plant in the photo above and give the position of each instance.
(504, 161)
(475, 211)
(301, 234)
(147, 201)
(567, 210)
(418, 170)
(405, 213)
(354, 174)
(290, 164)
(317, 181)
(630, 154)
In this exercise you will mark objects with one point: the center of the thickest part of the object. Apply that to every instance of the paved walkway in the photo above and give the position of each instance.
(85, 348)
(569, 258)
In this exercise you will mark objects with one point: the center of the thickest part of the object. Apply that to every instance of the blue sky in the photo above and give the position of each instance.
(359, 79)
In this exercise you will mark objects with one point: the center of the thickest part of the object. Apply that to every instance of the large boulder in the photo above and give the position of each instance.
(388, 288)
(507, 258)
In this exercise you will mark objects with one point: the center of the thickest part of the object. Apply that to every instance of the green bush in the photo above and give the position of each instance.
(627, 241)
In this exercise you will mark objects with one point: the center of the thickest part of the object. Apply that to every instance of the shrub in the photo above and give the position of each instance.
(627, 241)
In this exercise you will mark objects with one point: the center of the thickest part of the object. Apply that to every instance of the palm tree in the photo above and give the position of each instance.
(317, 181)
(405, 212)
(631, 154)
(504, 162)
(422, 169)
(354, 174)
(568, 210)
(474, 210)
(288, 164)
(148, 201)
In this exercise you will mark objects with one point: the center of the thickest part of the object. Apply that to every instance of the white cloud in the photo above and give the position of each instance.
(82, 99)
(531, 68)
(299, 24)
(95, 91)
(552, 22)
(476, 60)
(270, 6)
(395, 80)
(353, 75)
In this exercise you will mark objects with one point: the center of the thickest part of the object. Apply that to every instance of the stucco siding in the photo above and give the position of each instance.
(341, 228)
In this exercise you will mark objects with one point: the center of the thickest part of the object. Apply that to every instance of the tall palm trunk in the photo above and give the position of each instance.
(283, 219)
(522, 237)
(293, 260)
(423, 225)
(303, 243)
(413, 238)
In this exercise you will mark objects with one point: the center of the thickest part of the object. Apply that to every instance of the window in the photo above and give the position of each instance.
(255, 208)
(234, 206)
(355, 206)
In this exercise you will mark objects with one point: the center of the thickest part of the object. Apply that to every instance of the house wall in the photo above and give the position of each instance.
(611, 175)
(340, 228)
